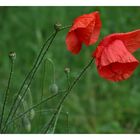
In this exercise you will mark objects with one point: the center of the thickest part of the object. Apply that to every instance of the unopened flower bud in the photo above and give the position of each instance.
(26, 124)
(12, 56)
(57, 26)
(32, 114)
(54, 89)
(67, 70)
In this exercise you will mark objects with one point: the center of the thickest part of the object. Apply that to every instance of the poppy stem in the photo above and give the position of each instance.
(33, 107)
(53, 67)
(31, 79)
(43, 79)
(26, 78)
(6, 94)
(66, 94)
(65, 27)
(25, 112)
(68, 81)
(42, 86)
(32, 73)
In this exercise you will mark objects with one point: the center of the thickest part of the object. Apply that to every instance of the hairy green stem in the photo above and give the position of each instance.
(6, 94)
(33, 107)
(42, 86)
(68, 82)
(52, 67)
(34, 69)
(65, 27)
(27, 77)
(34, 72)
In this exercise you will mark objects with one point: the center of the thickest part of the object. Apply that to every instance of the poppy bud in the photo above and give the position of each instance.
(26, 124)
(67, 70)
(12, 56)
(54, 89)
(57, 26)
(32, 114)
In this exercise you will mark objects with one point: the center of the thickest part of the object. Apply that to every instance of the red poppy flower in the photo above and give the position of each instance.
(85, 29)
(114, 57)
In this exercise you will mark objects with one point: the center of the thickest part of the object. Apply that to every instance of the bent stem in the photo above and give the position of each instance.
(6, 94)
(65, 96)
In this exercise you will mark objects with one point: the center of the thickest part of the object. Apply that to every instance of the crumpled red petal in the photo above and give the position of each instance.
(83, 21)
(89, 35)
(73, 43)
(131, 40)
(114, 62)
(84, 34)
(85, 29)
(96, 32)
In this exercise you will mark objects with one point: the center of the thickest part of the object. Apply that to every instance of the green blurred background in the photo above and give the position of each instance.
(95, 105)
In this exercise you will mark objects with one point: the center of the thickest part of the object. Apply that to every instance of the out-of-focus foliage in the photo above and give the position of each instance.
(95, 104)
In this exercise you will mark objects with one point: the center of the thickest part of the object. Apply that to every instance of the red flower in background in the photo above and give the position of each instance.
(114, 57)
(85, 29)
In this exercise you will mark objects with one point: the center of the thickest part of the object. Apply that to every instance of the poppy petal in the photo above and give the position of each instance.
(84, 34)
(116, 63)
(96, 32)
(83, 21)
(73, 44)
(89, 35)
(85, 29)
(131, 40)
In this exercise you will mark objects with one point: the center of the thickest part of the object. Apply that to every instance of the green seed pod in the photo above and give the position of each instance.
(54, 89)
(26, 124)
(57, 26)
(32, 114)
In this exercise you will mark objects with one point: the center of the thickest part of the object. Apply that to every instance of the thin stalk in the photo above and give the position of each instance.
(34, 72)
(61, 113)
(42, 86)
(56, 120)
(43, 79)
(25, 112)
(65, 27)
(66, 94)
(6, 94)
(53, 68)
(26, 78)
(67, 119)
(53, 37)
(68, 82)
(34, 69)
